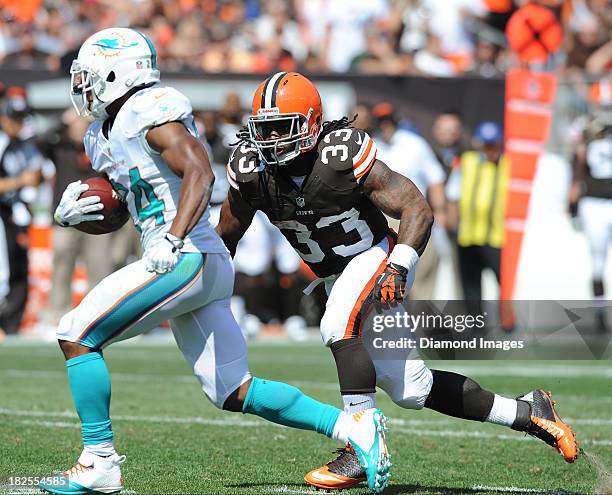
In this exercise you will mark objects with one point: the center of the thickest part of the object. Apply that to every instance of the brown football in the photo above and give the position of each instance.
(115, 210)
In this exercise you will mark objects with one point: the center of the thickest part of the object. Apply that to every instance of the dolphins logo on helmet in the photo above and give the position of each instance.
(109, 64)
(111, 47)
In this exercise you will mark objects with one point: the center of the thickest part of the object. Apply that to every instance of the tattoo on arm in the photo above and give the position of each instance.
(399, 198)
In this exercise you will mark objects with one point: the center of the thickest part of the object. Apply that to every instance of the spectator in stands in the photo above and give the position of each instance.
(451, 24)
(447, 132)
(20, 172)
(231, 118)
(64, 146)
(409, 154)
(484, 63)
(260, 36)
(275, 29)
(380, 56)
(218, 147)
(476, 191)
(430, 59)
(447, 143)
(27, 48)
(363, 118)
(588, 38)
(345, 22)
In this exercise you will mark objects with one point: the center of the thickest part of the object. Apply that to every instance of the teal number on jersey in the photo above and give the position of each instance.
(121, 191)
(140, 187)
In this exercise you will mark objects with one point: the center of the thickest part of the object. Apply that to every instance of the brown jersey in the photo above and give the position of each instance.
(325, 215)
(598, 177)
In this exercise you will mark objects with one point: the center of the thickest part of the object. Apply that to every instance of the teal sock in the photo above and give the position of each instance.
(286, 405)
(91, 391)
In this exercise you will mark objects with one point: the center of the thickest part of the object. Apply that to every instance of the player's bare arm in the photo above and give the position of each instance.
(187, 158)
(399, 198)
(236, 216)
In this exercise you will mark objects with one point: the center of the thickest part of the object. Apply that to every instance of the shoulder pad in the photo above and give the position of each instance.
(348, 148)
(155, 106)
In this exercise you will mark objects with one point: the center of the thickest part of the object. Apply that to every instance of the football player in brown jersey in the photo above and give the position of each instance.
(592, 189)
(321, 184)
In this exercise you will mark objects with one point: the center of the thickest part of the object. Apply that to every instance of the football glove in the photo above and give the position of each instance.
(391, 284)
(72, 210)
(162, 256)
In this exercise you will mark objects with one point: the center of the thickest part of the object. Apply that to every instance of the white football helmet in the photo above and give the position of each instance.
(109, 64)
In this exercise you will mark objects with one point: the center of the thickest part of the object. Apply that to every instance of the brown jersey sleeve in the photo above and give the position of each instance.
(349, 149)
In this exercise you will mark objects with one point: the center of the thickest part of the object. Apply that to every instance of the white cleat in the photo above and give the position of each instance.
(368, 440)
(91, 474)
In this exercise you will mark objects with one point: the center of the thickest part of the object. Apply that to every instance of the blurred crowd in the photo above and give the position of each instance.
(441, 38)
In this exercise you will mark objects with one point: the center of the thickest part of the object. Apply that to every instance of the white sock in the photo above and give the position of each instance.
(342, 428)
(104, 449)
(503, 411)
(358, 402)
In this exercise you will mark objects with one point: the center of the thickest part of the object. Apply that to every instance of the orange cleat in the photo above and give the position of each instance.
(343, 472)
(546, 425)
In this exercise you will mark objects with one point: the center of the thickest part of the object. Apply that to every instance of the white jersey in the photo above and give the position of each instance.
(139, 173)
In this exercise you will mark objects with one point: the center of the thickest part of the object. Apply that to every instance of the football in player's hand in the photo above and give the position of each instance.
(115, 210)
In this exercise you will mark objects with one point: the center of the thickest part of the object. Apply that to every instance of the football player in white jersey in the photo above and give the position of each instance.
(144, 140)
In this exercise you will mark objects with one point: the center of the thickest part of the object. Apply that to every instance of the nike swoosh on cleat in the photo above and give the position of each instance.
(352, 404)
(323, 477)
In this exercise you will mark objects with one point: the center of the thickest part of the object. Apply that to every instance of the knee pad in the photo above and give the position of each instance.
(414, 390)
(227, 378)
(65, 329)
(332, 328)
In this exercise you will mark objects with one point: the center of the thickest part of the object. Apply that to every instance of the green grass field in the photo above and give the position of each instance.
(177, 442)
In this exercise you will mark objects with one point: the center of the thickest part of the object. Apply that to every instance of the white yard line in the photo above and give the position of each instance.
(476, 488)
(32, 490)
(19, 491)
(509, 489)
(291, 491)
(48, 424)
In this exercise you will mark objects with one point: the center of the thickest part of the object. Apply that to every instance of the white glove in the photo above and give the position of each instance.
(72, 210)
(162, 256)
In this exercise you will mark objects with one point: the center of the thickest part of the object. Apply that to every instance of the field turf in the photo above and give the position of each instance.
(177, 442)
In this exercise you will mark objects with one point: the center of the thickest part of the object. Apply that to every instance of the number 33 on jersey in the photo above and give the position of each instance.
(326, 216)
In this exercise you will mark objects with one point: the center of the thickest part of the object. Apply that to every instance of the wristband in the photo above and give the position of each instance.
(404, 255)
(177, 242)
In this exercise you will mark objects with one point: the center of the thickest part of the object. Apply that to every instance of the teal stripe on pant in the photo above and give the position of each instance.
(91, 391)
(138, 303)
